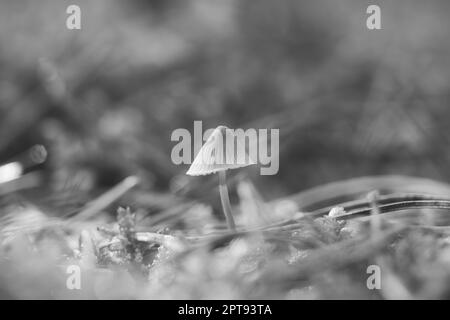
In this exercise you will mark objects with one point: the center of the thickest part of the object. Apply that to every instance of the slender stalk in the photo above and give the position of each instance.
(226, 206)
(375, 222)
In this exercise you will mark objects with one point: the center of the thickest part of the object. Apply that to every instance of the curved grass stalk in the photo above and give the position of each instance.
(362, 207)
(394, 183)
(398, 206)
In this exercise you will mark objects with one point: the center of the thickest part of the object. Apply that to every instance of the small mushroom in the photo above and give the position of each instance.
(218, 154)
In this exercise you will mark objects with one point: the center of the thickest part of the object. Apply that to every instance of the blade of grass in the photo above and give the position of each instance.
(105, 199)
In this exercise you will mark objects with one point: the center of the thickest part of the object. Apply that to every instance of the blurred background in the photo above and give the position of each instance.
(102, 102)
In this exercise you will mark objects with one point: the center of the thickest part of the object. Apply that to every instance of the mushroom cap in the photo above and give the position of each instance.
(219, 154)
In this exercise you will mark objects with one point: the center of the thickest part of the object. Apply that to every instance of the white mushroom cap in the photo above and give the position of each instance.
(222, 151)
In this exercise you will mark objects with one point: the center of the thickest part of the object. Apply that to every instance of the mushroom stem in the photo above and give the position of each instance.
(226, 206)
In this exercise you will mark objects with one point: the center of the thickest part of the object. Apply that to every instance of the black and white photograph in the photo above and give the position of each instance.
(234, 150)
